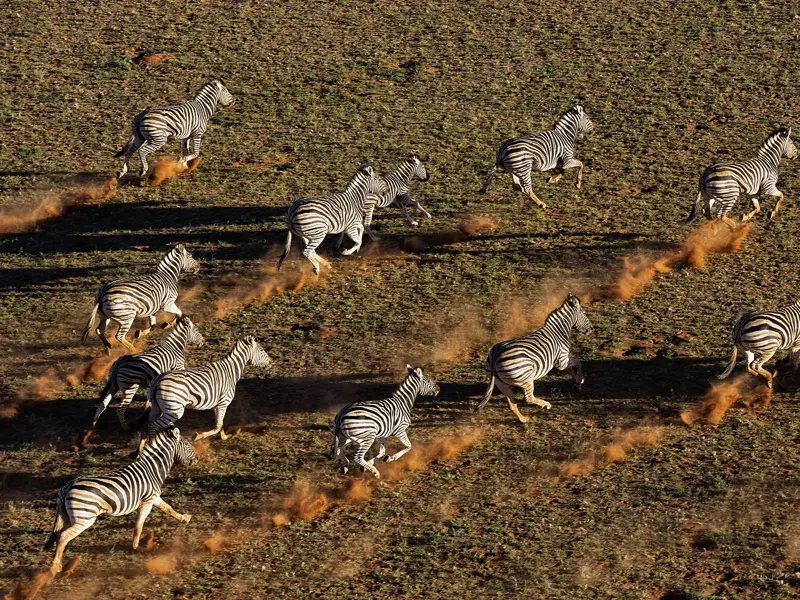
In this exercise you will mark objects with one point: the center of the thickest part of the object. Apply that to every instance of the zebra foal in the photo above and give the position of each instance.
(722, 183)
(519, 362)
(123, 300)
(364, 422)
(188, 121)
(760, 334)
(553, 149)
(136, 486)
(207, 387)
(312, 219)
(132, 371)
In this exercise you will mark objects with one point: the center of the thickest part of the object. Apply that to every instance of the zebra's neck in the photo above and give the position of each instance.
(357, 186)
(177, 338)
(560, 322)
(568, 124)
(771, 151)
(171, 265)
(404, 173)
(206, 98)
(407, 392)
(158, 458)
(237, 359)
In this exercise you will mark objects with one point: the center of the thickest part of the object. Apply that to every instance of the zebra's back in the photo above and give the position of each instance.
(728, 178)
(199, 388)
(147, 365)
(331, 214)
(777, 329)
(543, 150)
(148, 294)
(180, 120)
(524, 358)
(372, 418)
(117, 493)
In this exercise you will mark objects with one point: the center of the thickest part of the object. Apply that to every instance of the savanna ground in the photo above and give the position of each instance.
(709, 512)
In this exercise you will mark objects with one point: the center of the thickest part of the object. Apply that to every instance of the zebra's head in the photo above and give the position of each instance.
(170, 438)
(585, 124)
(224, 97)
(256, 355)
(420, 172)
(188, 264)
(184, 451)
(580, 322)
(189, 331)
(789, 149)
(425, 385)
(375, 184)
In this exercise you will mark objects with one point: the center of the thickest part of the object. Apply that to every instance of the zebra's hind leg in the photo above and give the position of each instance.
(338, 452)
(381, 451)
(403, 437)
(526, 186)
(166, 508)
(150, 146)
(127, 398)
(64, 538)
(101, 330)
(757, 366)
(572, 163)
(144, 510)
(310, 253)
(508, 391)
(363, 447)
(124, 327)
(530, 398)
(355, 233)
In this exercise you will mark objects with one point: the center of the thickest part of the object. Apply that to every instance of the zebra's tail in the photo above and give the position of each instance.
(731, 364)
(487, 395)
(488, 182)
(92, 316)
(286, 249)
(126, 146)
(58, 526)
(695, 207)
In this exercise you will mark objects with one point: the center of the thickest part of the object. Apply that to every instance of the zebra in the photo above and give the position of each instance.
(314, 218)
(552, 149)
(136, 486)
(123, 300)
(398, 194)
(363, 422)
(210, 386)
(133, 370)
(188, 121)
(519, 362)
(760, 334)
(721, 183)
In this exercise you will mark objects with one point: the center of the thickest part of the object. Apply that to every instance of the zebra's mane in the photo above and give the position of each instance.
(358, 179)
(569, 117)
(774, 142)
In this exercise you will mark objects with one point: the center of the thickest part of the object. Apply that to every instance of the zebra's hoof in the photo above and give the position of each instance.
(414, 224)
(578, 185)
(186, 518)
(343, 470)
(547, 406)
(770, 215)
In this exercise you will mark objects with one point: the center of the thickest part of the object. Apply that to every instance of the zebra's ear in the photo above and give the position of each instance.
(410, 369)
(175, 432)
(789, 133)
(418, 371)
(579, 109)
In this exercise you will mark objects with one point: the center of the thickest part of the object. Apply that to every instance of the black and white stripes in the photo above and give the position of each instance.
(552, 149)
(312, 219)
(720, 184)
(134, 487)
(207, 387)
(398, 194)
(131, 371)
(188, 122)
(519, 362)
(760, 334)
(123, 300)
(364, 422)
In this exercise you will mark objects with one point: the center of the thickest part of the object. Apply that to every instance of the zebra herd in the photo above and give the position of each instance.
(512, 364)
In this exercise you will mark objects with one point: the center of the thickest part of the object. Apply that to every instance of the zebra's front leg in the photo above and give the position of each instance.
(774, 211)
(363, 448)
(572, 163)
(127, 398)
(381, 451)
(144, 332)
(184, 150)
(730, 222)
(64, 538)
(150, 146)
(166, 508)
(368, 222)
(193, 145)
(403, 437)
(171, 308)
(141, 515)
(574, 367)
(219, 412)
(756, 210)
(355, 233)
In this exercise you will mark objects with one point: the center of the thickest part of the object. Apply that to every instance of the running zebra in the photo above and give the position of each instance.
(519, 362)
(123, 300)
(314, 218)
(131, 371)
(722, 183)
(210, 386)
(542, 152)
(188, 122)
(398, 193)
(364, 422)
(136, 486)
(760, 334)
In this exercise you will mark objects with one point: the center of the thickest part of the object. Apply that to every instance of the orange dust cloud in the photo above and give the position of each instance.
(158, 58)
(305, 502)
(356, 490)
(271, 282)
(15, 220)
(8, 411)
(168, 168)
(201, 446)
(71, 567)
(457, 344)
(521, 315)
(162, 564)
(723, 395)
(43, 388)
(421, 456)
(617, 450)
(223, 540)
(28, 590)
(712, 237)
(467, 228)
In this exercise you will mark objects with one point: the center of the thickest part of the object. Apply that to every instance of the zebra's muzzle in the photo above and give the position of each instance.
(436, 390)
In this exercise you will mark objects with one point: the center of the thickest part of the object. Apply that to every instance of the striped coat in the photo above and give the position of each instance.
(397, 194)
(188, 122)
(123, 300)
(553, 149)
(519, 362)
(721, 184)
(132, 371)
(364, 422)
(136, 487)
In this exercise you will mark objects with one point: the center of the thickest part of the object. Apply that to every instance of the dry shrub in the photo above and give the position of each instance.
(15, 220)
(616, 450)
(305, 502)
(162, 564)
(169, 168)
(158, 58)
(723, 395)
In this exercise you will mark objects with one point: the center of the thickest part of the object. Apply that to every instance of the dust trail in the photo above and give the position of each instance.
(29, 589)
(722, 395)
(18, 219)
(617, 450)
(712, 237)
(168, 168)
(470, 226)
(307, 500)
